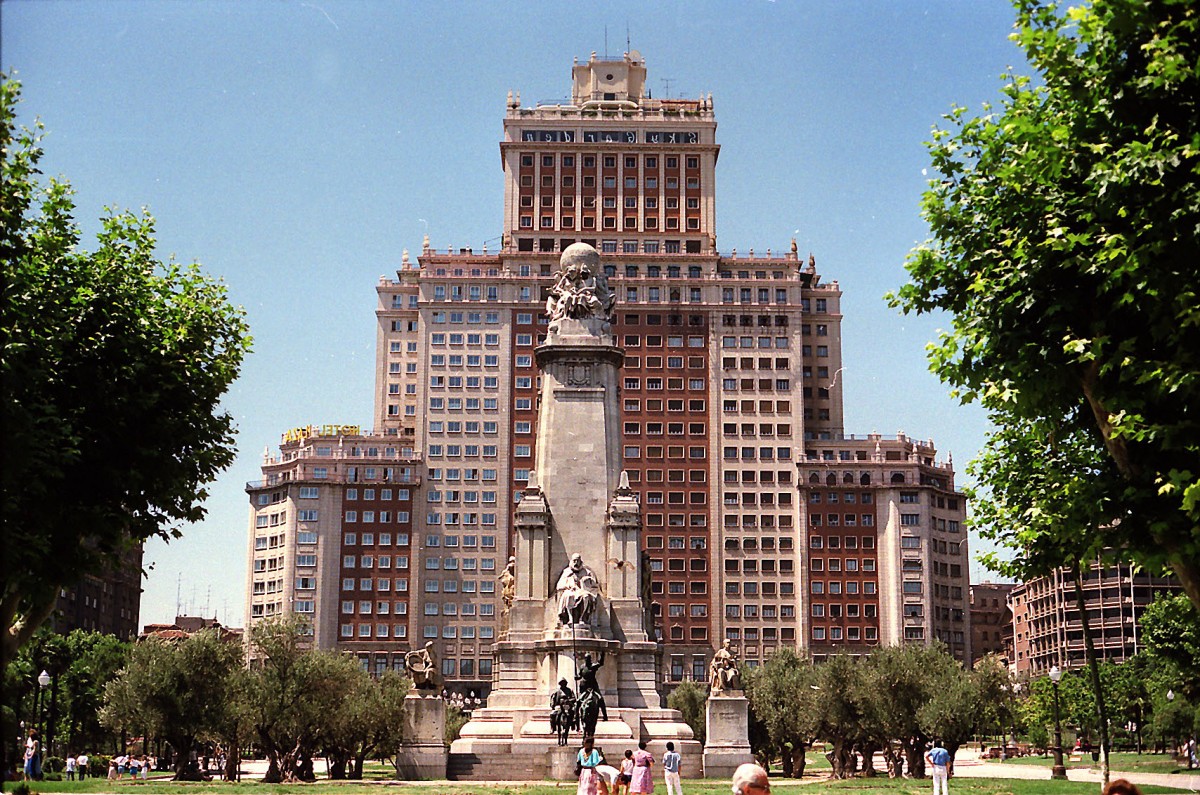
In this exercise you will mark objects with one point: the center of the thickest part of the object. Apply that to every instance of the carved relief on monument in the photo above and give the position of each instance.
(579, 374)
(581, 291)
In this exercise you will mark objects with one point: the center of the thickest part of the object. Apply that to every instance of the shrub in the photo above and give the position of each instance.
(98, 765)
(54, 764)
(21, 788)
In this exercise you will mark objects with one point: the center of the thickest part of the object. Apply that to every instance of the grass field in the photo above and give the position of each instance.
(810, 784)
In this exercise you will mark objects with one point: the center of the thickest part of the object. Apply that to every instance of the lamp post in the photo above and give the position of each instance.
(1059, 770)
(43, 681)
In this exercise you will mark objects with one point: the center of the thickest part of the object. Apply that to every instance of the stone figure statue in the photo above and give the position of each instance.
(581, 291)
(723, 673)
(508, 584)
(578, 592)
(422, 667)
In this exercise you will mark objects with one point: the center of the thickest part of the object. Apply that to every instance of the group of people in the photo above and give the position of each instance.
(135, 766)
(634, 777)
(77, 765)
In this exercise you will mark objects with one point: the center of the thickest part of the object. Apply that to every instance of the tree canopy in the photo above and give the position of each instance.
(114, 365)
(1065, 224)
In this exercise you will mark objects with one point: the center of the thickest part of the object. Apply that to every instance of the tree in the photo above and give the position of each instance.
(293, 694)
(839, 711)
(369, 721)
(691, 699)
(1065, 225)
(177, 690)
(962, 702)
(782, 696)
(114, 364)
(1171, 633)
(897, 681)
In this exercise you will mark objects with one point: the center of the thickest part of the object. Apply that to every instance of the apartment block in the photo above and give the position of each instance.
(1047, 622)
(991, 620)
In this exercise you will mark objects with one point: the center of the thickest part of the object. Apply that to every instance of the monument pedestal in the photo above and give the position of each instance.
(727, 743)
(423, 755)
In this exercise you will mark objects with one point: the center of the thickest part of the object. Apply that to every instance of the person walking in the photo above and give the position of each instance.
(81, 766)
(670, 763)
(939, 758)
(643, 779)
(70, 768)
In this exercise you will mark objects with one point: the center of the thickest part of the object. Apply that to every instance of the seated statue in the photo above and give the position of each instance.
(723, 671)
(578, 592)
(422, 668)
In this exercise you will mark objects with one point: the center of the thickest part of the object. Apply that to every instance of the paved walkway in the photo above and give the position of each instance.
(968, 765)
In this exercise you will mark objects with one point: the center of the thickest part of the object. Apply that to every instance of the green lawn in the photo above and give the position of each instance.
(1126, 762)
(878, 786)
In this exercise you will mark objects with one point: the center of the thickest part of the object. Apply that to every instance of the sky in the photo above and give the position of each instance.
(296, 149)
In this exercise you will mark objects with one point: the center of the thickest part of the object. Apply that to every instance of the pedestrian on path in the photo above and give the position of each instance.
(670, 763)
(939, 758)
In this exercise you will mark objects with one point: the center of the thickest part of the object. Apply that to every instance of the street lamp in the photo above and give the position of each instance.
(1059, 770)
(43, 681)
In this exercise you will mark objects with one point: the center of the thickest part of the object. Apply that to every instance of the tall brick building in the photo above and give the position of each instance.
(731, 401)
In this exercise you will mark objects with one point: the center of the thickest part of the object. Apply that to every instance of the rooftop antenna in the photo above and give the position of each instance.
(666, 81)
(606, 42)
(628, 48)
(179, 593)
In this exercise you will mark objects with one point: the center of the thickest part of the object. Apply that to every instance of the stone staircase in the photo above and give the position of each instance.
(495, 767)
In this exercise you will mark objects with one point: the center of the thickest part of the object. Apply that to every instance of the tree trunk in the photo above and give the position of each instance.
(798, 760)
(868, 753)
(337, 767)
(1094, 667)
(185, 768)
(914, 755)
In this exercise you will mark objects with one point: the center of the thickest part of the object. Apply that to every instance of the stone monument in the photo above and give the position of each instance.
(579, 595)
(727, 716)
(423, 755)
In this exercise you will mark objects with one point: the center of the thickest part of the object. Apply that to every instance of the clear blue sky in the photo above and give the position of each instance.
(296, 148)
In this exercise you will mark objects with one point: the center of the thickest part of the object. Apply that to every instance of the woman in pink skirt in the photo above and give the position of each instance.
(643, 780)
(589, 759)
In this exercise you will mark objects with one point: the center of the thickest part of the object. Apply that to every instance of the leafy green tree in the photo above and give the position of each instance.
(691, 699)
(839, 711)
(369, 721)
(963, 701)
(177, 690)
(1065, 225)
(1171, 633)
(114, 365)
(783, 696)
(293, 694)
(897, 682)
